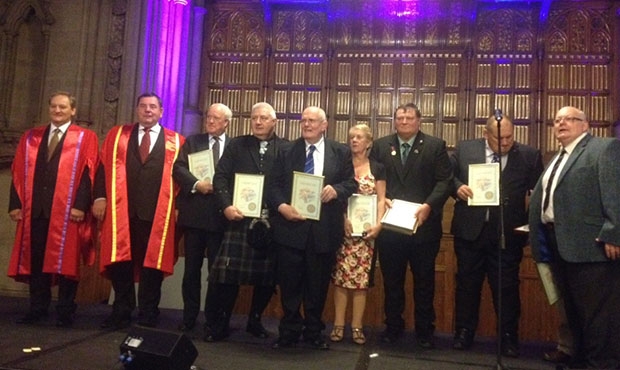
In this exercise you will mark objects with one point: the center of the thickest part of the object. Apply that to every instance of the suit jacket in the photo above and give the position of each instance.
(586, 204)
(242, 156)
(196, 210)
(426, 177)
(338, 172)
(523, 168)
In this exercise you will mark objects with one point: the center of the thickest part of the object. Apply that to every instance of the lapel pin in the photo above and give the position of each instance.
(393, 152)
(416, 151)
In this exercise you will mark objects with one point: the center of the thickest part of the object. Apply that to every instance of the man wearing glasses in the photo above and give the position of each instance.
(575, 223)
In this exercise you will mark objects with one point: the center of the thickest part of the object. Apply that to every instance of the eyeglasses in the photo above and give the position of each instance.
(567, 119)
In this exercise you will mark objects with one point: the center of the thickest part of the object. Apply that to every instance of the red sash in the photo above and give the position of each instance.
(66, 240)
(115, 241)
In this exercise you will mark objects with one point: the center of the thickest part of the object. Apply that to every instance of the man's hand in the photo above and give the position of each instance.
(76, 215)
(464, 192)
(204, 187)
(289, 213)
(422, 214)
(233, 213)
(328, 193)
(16, 214)
(99, 208)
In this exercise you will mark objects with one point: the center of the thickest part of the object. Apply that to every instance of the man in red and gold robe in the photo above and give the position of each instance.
(135, 200)
(51, 194)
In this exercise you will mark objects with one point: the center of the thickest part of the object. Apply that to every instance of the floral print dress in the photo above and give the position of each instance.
(354, 260)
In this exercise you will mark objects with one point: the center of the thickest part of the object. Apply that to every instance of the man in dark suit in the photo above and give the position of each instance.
(200, 214)
(134, 199)
(306, 249)
(575, 224)
(418, 170)
(50, 200)
(238, 262)
(476, 231)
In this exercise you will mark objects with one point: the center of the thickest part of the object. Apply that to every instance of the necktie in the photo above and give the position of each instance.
(216, 150)
(145, 145)
(405, 152)
(309, 165)
(53, 142)
(551, 178)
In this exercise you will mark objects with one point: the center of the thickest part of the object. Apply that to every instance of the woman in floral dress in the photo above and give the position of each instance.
(354, 269)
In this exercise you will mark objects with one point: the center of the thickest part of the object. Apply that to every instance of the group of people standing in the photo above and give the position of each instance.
(141, 191)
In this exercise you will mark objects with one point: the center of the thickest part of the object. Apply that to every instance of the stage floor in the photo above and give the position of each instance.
(85, 346)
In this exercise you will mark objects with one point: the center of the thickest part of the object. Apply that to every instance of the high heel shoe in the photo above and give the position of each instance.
(337, 333)
(358, 336)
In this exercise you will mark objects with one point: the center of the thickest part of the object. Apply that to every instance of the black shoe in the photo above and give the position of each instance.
(257, 329)
(64, 321)
(463, 339)
(390, 336)
(215, 335)
(316, 343)
(557, 357)
(510, 345)
(425, 342)
(185, 327)
(116, 322)
(31, 318)
(284, 342)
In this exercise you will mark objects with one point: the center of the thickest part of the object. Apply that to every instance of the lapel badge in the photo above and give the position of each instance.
(393, 152)
(416, 151)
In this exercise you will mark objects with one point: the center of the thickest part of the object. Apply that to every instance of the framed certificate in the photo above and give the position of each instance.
(401, 217)
(306, 197)
(248, 194)
(201, 165)
(362, 212)
(484, 182)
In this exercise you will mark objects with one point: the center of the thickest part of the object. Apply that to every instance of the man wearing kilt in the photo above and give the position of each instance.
(239, 262)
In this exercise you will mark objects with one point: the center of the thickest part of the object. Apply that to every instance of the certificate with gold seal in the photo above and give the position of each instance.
(306, 197)
(484, 182)
(201, 165)
(248, 194)
(362, 212)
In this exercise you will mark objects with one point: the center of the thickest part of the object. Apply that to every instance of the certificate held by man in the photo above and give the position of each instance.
(306, 196)
(248, 194)
(201, 165)
(484, 182)
(401, 217)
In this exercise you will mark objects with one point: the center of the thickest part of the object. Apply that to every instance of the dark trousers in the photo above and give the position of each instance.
(479, 259)
(196, 242)
(591, 294)
(303, 276)
(122, 276)
(224, 300)
(396, 251)
(40, 282)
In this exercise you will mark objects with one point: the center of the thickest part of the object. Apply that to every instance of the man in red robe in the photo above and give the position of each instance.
(53, 173)
(135, 200)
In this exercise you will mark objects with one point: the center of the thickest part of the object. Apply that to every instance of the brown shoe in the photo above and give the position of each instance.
(557, 357)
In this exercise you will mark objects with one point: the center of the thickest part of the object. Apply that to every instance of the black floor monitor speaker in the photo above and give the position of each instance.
(148, 349)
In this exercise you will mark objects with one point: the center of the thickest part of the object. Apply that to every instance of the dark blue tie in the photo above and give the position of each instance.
(309, 165)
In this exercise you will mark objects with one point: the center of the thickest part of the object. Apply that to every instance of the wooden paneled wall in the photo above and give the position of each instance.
(457, 60)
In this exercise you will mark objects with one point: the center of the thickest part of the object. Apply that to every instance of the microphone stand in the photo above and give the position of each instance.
(501, 246)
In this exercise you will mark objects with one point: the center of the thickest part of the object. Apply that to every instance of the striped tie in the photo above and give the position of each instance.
(556, 165)
(309, 165)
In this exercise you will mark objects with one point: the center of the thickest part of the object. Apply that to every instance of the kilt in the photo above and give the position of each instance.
(238, 263)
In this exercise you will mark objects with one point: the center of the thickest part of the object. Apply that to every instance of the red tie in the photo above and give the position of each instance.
(145, 145)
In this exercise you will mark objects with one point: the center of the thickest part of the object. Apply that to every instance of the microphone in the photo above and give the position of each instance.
(498, 114)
